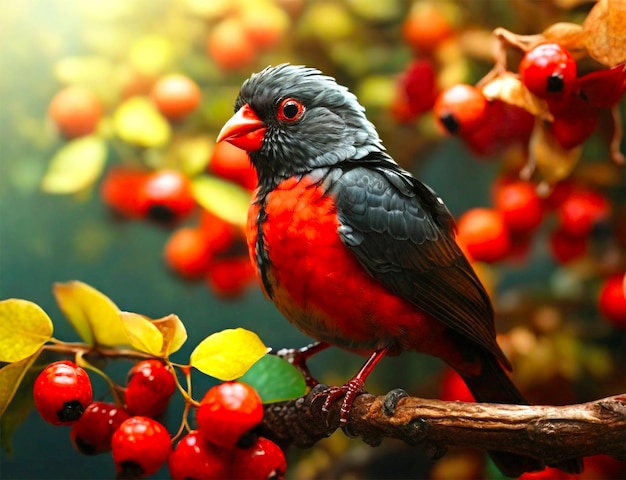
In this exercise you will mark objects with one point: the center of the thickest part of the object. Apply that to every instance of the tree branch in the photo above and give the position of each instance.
(550, 434)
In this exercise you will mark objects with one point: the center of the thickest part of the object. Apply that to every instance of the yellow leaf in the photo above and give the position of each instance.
(93, 315)
(173, 331)
(76, 166)
(143, 335)
(138, 122)
(552, 161)
(10, 377)
(190, 153)
(228, 354)
(24, 328)
(223, 199)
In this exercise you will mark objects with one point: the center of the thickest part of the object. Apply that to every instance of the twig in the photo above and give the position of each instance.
(550, 434)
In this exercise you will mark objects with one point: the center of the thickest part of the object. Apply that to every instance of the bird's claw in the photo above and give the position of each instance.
(349, 392)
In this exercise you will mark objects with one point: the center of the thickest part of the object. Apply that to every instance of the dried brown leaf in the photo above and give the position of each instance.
(605, 32)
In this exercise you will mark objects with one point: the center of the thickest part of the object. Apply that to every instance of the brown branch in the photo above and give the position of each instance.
(550, 434)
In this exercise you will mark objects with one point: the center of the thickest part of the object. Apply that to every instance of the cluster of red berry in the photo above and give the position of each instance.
(549, 72)
(222, 447)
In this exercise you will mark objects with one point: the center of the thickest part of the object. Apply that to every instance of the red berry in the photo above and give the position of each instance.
(418, 86)
(484, 234)
(227, 412)
(232, 163)
(220, 234)
(565, 247)
(76, 111)
(140, 447)
(521, 207)
(92, 433)
(166, 196)
(548, 473)
(581, 210)
(150, 385)
(230, 277)
(453, 388)
(612, 300)
(460, 109)
(120, 191)
(176, 96)
(188, 252)
(197, 459)
(426, 27)
(62, 391)
(263, 460)
(548, 71)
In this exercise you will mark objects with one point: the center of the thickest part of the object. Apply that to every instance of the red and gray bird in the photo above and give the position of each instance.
(351, 248)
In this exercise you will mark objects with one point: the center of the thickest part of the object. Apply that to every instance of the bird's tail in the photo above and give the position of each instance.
(493, 385)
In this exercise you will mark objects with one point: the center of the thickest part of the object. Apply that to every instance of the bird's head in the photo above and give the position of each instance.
(293, 119)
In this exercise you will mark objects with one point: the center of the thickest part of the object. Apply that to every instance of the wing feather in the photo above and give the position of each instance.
(403, 235)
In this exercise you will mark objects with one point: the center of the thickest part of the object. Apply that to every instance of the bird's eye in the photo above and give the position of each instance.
(290, 110)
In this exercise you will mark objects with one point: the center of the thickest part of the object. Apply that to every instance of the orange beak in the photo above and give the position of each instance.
(244, 130)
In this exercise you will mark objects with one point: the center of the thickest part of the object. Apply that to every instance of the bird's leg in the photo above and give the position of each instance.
(353, 387)
(299, 356)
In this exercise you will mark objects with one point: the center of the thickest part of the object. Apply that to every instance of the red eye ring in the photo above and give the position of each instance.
(290, 110)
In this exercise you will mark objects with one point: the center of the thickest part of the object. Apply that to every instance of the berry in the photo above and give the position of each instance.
(548, 71)
(548, 473)
(188, 252)
(229, 46)
(166, 196)
(140, 447)
(418, 86)
(612, 300)
(197, 459)
(229, 277)
(149, 388)
(221, 235)
(484, 234)
(227, 412)
(62, 391)
(176, 96)
(92, 433)
(76, 111)
(232, 163)
(565, 247)
(581, 210)
(519, 204)
(460, 109)
(263, 460)
(426, 27)
(119, 191)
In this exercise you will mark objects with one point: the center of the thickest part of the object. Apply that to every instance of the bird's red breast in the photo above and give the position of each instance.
(320, 286)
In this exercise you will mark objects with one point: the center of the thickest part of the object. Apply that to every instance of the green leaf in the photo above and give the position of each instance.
(275, 379)
(76, 166)
(228, 354)
(24, 328)
(143, 335)
(138, 122)
(93, 315)
(10, 378)
(223, 199)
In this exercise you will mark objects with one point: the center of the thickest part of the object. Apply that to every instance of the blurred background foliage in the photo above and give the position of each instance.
(562, 349)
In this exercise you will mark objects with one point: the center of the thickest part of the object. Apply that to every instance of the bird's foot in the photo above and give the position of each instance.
(349, 392)
(298, 358)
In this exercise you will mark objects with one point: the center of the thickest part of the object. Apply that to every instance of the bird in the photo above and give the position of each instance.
(354, 250)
